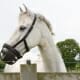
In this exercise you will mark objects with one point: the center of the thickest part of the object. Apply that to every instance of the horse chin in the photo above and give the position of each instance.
(9, 55)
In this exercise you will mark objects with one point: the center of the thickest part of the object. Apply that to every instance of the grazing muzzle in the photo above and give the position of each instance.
(9, 55)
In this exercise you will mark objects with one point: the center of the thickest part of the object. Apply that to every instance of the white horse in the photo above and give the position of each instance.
(33, 30)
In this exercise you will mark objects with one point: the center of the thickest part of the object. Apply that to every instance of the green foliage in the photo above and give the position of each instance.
(2, 65)
(69, 49)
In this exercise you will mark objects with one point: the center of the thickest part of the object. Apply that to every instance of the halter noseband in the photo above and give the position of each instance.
(11, 55)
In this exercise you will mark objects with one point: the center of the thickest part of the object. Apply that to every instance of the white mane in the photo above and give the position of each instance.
(41, 17)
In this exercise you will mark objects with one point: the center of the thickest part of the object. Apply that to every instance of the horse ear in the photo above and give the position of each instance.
(20, 9)
(25, 7)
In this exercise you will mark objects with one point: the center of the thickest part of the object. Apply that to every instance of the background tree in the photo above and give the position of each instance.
(69, 49)
(2, 65)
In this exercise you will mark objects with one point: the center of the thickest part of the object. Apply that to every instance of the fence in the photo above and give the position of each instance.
(9, 76)
(28, 72)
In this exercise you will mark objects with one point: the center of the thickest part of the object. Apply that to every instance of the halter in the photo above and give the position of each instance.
(11, 55)
(26, 35)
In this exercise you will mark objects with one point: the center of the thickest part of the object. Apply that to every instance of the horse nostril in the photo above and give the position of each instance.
(4, 49)
(3, 52)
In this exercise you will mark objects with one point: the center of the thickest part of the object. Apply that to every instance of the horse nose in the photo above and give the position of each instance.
(3, 52)
(7, 56)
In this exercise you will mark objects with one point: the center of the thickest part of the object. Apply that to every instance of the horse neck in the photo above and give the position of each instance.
(50, 55)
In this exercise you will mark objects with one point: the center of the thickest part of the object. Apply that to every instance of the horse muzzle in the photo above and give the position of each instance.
(9, 55)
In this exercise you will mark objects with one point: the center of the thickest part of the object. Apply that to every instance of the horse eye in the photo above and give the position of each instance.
(22, 28)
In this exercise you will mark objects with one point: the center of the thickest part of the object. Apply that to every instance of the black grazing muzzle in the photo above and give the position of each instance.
(9, 55)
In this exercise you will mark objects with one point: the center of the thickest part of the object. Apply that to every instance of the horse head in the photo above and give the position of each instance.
(26, 36)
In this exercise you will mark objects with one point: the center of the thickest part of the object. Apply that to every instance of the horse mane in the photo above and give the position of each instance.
(42, 18)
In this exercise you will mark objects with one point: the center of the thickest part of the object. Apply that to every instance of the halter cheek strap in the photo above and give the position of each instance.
(26, 45)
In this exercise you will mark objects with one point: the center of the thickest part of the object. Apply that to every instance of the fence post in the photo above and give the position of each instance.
(28, 72)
